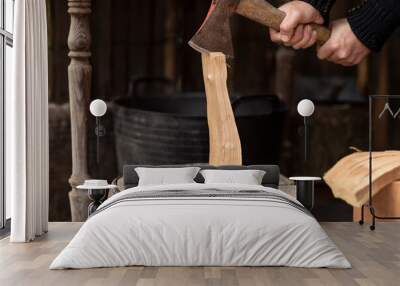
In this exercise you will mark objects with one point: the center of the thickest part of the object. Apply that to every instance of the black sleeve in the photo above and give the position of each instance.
(323, 6)
(373, 21)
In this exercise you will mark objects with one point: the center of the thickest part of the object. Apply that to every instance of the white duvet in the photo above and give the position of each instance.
(200, 231)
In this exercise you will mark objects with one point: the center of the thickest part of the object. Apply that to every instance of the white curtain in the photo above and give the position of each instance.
(27, 124)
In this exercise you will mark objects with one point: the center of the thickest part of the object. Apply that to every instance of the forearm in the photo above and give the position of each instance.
(373, 21)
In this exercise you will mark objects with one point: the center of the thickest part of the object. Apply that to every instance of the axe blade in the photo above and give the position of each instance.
(214, 34)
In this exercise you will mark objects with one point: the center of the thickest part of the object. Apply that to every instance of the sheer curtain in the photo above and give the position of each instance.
(27, 124)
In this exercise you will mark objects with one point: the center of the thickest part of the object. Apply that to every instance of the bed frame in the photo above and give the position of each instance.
(271, 177)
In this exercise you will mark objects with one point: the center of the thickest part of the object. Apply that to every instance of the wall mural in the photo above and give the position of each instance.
(140, 65)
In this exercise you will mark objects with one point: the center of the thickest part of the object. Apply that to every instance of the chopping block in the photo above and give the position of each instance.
(386, 203)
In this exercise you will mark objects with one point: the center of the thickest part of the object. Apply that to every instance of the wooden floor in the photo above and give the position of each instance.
(375, 257)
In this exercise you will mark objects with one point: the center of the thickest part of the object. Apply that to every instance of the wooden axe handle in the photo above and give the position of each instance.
(264, 13)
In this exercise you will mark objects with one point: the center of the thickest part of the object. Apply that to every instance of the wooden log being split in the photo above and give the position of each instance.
(225, 147)
(349, 178)
(386, 203)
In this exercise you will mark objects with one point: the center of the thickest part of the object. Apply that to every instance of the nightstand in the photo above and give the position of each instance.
(305, 190)
(97, 192)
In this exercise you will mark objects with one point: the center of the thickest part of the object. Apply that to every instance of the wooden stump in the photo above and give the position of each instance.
(386, 203)
(225, 147)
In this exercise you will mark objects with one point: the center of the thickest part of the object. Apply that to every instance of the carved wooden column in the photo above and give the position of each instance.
(79, 83)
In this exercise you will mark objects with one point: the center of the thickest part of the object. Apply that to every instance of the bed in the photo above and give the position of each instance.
(198, 224)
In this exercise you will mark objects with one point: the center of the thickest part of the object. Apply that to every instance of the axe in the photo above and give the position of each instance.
(214, 34)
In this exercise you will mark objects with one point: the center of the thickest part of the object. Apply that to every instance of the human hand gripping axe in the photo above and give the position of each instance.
(214, 34)
(213, 40)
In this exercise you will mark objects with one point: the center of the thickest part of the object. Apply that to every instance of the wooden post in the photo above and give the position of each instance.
(284, 86)
(225, 147)
(381, 127)
(363, 76)
(170, 45)
(285, 75)
(79, 83)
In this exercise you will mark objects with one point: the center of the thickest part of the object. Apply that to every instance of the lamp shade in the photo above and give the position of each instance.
(98, 108)
(305, 108)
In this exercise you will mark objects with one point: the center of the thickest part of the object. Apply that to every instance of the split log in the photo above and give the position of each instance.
(225, 147)
(349, 178)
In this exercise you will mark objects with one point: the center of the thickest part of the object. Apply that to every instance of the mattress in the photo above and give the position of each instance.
(201, 225)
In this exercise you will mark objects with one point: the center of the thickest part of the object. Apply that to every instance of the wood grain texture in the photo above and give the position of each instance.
(284, 78)
(363, 78)
(386, 203)
(225, 147)
(79, 84)
(264, 13)
(381, 126)
(375, 257)
(349, 178)
(171, 36)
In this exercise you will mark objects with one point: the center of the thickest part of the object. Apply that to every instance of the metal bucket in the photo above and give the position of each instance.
(172, 129)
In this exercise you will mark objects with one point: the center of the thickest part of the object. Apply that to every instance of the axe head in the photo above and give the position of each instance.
(214, 34)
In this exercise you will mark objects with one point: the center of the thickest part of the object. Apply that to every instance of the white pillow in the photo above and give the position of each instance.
(166, 176)
(247, 177)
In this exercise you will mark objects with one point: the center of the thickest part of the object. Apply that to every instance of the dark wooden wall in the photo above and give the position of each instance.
(132, 38)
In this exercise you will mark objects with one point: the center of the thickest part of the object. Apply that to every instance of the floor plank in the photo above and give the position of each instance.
(375, 257)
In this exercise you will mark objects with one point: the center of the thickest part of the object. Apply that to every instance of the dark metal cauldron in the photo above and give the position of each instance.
(172, 129)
